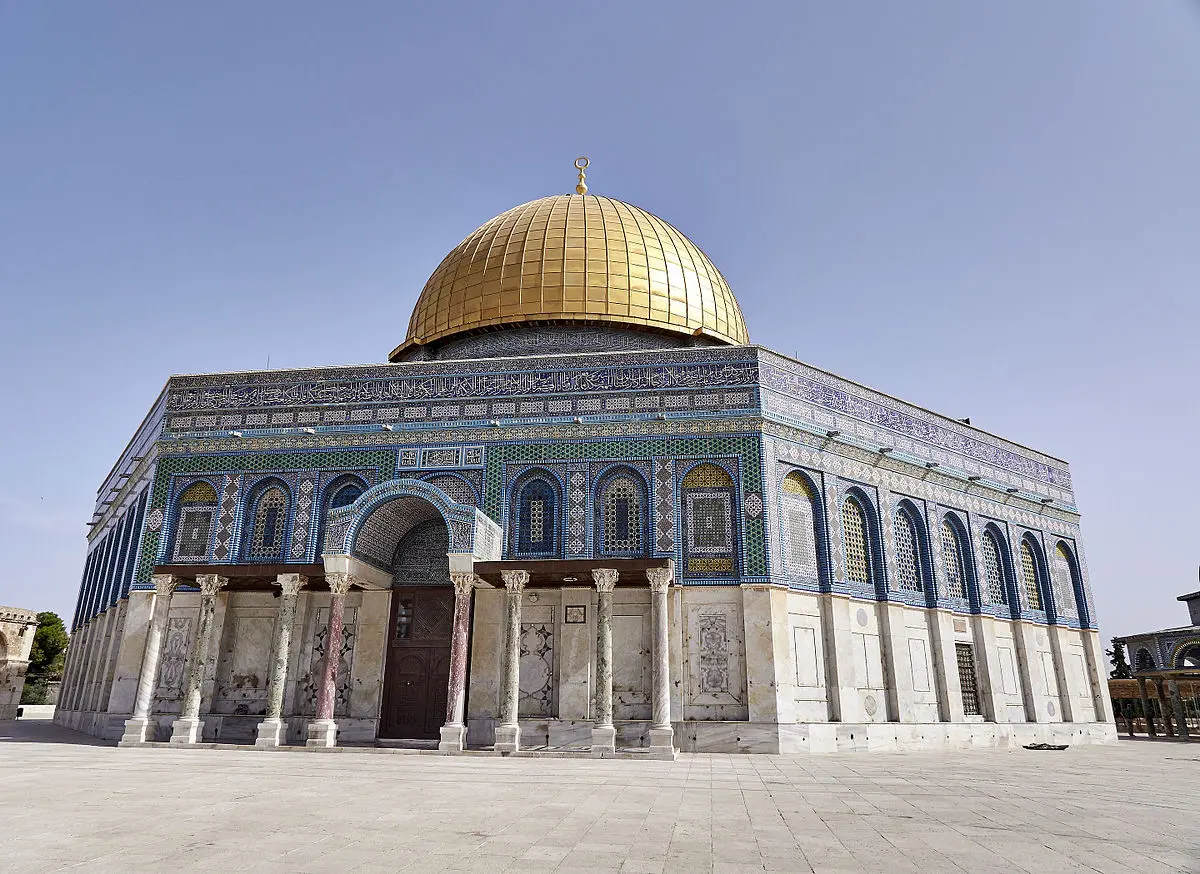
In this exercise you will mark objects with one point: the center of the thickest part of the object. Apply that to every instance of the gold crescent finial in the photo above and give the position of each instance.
(581, 164)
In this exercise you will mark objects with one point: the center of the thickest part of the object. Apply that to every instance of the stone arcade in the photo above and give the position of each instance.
(577, 510)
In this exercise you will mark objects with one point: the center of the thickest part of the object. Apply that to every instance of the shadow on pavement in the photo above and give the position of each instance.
(43, 731)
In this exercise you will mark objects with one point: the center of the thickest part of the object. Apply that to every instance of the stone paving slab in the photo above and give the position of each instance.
(70, 803)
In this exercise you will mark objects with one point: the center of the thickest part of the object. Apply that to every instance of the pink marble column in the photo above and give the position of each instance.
(322, 732)
(454, 732)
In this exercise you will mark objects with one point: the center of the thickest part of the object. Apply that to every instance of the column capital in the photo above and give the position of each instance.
(210, 584)
(164, 584)
(605, 578)
(515, 581)
(291, 583)
(659, 578)
(464, 582)
(339, 582)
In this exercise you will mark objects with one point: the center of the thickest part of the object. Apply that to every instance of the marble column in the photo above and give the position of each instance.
(272, 731)
(1181, 727)
(454, 733)
(322, 732)
(137, 726)
(662, 735)
(1146, 711)
(1164, 708)
(604, 734)
(189, 728)
(508, 732)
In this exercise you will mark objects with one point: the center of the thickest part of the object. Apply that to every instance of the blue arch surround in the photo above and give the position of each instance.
(1008, 576)
(254, 496)
(877, 567)
(820, 526)
(927, 597)
(602, 482)
(1082, 612)
(967, 553)
(348, 530)
(1042, 570)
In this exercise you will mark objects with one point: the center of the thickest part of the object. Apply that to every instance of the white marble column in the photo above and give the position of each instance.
(604, 734)
(137, 725)
(189, 728)
(322, 731)
(453, 735)
(662, 735)
(272, 731)
(508, 732)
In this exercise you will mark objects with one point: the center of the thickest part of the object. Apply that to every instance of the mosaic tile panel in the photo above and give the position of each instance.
(664, 506)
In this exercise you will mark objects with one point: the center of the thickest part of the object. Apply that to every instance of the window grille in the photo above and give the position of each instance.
(854, 534)
(270, 519)
(197, 512)
(799, 526)
(993, 574)
(952, 561)
(1029, 574)
(536, 519)
(622, 517)
(1064, 582)
(346, 496)
(708, 509)
(908, 567)
(966, 678)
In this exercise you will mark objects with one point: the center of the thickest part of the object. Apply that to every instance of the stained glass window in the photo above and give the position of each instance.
(908, 563)
(270, 519)
(622, 516)
(993, 571)
(1064, 581)
(199, 493)
(799, 526)
(854, 534)
(952, 561)
(1029, 576)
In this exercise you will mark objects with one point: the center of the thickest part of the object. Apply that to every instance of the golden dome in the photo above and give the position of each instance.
(576, 258)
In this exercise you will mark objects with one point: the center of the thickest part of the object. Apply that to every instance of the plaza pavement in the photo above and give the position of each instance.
(69, 802)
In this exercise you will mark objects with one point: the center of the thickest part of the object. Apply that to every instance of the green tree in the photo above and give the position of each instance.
(1116, 657)
(46, 659)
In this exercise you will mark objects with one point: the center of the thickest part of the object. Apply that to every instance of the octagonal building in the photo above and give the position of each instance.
(577, 510)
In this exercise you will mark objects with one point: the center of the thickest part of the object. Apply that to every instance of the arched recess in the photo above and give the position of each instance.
(996, 588)
(911, 547)
(861, 543)
(1143, 661)
(194, 518)
(3, 648)
(621, 514)
(956, 564)
(802, 528)
(341, 491)
(267, 525)
(371, 528)
(1033, 574)
(535, 515)
(1186, 655)
(1069, 600)
(710, 543)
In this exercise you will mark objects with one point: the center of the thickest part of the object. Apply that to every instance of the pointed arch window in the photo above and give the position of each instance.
(1029, 577)
(708, 513)
(537, 515)
(1062, 576)
(952, 560)
(799, 501)
(194, 522)
(908, 554)
(622, 511)
(854, 536)
(994, 590)
(268, 525)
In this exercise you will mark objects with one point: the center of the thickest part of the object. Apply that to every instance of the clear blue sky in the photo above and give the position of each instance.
(992, 210)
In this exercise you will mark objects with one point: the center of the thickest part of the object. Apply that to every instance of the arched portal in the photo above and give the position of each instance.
(405, 536)
(1188, 658)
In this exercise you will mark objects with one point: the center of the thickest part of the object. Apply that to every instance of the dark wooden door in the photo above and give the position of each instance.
(418, 663)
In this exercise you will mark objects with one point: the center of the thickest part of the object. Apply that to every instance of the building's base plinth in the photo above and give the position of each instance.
(136, 729)
(187, 730)
(662, 743)
(271, 733)
(452, 738)
(604, 742)
(322, 733)
(508, 738)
